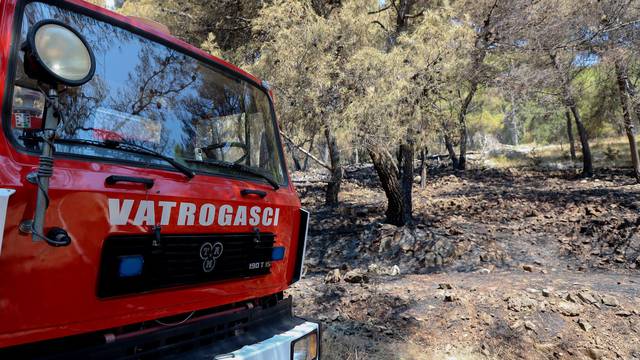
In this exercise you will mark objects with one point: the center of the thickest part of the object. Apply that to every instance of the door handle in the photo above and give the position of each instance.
(114, 179)
(246, 192)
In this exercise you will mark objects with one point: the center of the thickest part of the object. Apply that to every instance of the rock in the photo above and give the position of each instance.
(527, 268)
(445, 286)
(546, 292)
(484, 271)
(407, 240)
(516, 325)
(332, 276)
(572, 298)
(623, 313)
(485, 318)
(595, 354)
(374, 268)
(587, 297)
(610, 301)
(395, 270)
(356, 276)
(569, 309)
(450, 297)
(520, 303)
(584, 325)
(530, 326)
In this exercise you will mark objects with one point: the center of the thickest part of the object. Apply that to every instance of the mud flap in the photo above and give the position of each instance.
(4, 203)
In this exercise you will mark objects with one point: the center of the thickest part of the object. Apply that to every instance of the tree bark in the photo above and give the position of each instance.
(462, 120)
(333, 187)
(632, 94)
(406, 177)
(622, 77)
(572, 142)
(388, 175)
(296, 162)
(423, 168)
(452, 152)
(306, 159)
(587, 163)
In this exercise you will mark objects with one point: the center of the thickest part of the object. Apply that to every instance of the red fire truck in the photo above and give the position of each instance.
(145, 206)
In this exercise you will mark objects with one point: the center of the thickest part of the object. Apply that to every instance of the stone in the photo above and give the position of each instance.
(485, 318)
(527, 268)
(623, 313)
(610, 301)
(584, 325)
(450, 297)
(571, 297)
(546, 292)
(407, 240)
(356, 276)
(530, 326)
(587, 297)
(395, 270)
(332, 276)
(445, 286)
(595, 353)
(520, 303)
(568, 308)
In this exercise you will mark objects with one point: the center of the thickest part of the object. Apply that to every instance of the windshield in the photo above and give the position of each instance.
(147, 94)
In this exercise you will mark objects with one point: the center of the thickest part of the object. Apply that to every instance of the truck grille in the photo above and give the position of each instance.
(175, 260)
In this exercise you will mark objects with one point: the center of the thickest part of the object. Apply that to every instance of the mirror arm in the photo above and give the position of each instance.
(45, 168)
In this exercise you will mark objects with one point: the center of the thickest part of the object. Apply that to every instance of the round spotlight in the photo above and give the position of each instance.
(57, 54)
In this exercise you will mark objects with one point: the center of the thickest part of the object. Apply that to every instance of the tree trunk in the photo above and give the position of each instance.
(621, 74)
(296, 162)
(587, 163)
(423, 168)
(388, 174)
(406, 178)
(513, 121)
(572, 142)
(452, 152)
(306, 159)
(570, 102)
(462, 120)
(333, 187)
(632, 93)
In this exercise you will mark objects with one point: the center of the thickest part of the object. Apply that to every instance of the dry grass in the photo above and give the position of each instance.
(608, 152)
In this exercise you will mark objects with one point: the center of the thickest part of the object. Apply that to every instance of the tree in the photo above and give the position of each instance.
(623, 86)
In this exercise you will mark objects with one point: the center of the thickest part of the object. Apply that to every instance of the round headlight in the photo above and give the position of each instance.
(57, 53)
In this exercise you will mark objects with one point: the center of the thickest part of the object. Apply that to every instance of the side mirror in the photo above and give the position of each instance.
(57, 54)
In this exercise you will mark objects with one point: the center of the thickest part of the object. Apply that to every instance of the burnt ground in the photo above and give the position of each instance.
(498, 264)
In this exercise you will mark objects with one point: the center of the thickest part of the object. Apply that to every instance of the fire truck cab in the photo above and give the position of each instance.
(146, 211)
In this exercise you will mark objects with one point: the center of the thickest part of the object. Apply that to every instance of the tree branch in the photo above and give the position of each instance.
(379, 23)
(320, 162)
(380, 10)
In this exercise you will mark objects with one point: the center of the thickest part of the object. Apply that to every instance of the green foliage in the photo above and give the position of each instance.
(351, 66)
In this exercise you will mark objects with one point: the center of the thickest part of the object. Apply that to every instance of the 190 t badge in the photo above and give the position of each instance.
(209, 253)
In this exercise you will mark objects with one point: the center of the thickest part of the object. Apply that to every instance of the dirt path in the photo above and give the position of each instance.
(513, 264)
(499, 315)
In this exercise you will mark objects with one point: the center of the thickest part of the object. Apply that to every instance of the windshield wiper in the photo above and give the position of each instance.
(239, 167)
(131, 148)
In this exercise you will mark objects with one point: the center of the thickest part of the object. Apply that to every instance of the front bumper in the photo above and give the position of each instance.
(277, 347)
(261, 332)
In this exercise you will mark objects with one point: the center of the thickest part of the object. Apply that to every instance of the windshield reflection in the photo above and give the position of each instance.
(147, 94)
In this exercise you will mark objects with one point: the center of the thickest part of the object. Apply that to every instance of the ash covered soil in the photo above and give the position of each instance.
(498, 264)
